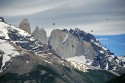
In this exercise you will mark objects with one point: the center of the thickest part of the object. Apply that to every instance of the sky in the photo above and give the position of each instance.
(115, 43)
(105, 17)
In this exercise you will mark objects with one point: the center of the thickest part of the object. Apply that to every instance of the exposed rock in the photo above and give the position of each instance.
(27, 60)
(40, 34)
(67, 45)
(2, 19)
(63, 45)
(72, 43)
(1, 58)
(25, 25)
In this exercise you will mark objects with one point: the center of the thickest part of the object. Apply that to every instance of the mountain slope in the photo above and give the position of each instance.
(72, 43)
(119, 79)
(40, 34)
(27, 55)
(25, 59)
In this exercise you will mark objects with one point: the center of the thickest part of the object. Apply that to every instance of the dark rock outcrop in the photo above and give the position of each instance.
(1, 58)
(2, 19)
(25, 25)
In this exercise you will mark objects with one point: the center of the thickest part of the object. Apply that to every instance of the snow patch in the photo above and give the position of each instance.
(27, 61)
(32, 39)
(114, 68)
(102, 52)
(48, 61)
(21, 32)
(80, 62)
(3, 30)
(9, 51)
(122, 58)
(112, 56)
(66, 37)
(49, 53)
(106, 66)
(80, 59)
(98, 44)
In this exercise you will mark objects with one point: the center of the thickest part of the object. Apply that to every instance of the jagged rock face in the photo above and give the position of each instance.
(63, 43)
(40, 34)
(67, 45)
(1, 19)
(72, 43)
(25, 25)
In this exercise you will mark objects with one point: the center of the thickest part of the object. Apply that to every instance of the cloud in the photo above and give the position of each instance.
(31, 10)
(27, 7)
(108, 28)
(84, 14)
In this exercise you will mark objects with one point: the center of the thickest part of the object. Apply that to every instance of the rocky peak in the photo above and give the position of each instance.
(82, 35)
(25, 25)
(72, 43)
(40, 34)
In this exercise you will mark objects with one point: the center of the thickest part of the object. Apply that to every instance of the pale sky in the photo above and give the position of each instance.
(104, 17)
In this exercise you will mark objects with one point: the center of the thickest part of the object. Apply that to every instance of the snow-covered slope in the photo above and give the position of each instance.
(13, 39)
(80, 62)
(5, 28)
(10, 37)
(8, 52)
(81, 59)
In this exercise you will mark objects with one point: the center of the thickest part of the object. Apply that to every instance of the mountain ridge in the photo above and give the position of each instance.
(36, 62)
(71, 43)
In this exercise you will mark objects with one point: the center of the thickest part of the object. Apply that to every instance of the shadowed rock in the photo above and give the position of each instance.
(2, 19)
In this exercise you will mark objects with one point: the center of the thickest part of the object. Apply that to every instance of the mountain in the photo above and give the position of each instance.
(74, 44)
(40, 34)
(25, 25)
(24, 59)
(70, 43)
